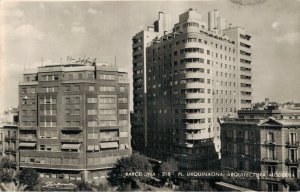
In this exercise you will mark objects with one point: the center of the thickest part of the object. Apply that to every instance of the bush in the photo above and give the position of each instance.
(29, 177)
(83, 186)
(7, 175)
(134, 163)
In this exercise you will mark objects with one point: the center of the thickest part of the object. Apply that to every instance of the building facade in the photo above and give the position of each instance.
(194, 74)
(264, 141)
(9, 135)
(139, 44)
(74, 120)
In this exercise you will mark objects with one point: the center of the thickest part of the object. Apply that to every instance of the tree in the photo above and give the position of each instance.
(5, 163)
(12, 187)
(134, 163)
(29, 177)
(169, 166)
(83, 186)
(7, 175)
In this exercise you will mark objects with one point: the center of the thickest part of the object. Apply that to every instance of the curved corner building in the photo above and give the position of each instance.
(193, 74)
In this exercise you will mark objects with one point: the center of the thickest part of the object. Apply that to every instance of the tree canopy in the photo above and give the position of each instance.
(169, 166)
(134, 163)
(29, 177)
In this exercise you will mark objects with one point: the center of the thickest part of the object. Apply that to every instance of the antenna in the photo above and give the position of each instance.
(115, 61)
(42, 61)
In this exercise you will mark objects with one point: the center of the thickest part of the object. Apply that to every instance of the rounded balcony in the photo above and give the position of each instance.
(195, 75)
(195, 95)
(195, 126)
(195, 115)
(194, 65)
(196, 136)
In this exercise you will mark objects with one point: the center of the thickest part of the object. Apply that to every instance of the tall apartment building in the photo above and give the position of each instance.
(264, 141)
(139, 44)
(8, 135)
(192, 76)
(74, 120)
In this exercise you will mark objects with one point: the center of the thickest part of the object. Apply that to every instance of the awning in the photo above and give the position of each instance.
(109, 145)
(70, 146)
(27, 144)
(97, 148)
(90, 148)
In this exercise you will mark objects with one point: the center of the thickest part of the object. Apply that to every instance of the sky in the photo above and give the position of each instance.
(51, 31)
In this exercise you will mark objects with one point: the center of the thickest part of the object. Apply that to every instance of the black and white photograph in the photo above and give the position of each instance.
(199, 95)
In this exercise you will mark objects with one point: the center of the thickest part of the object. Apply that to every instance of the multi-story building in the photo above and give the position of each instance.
(262, 141)
(8, 135)
(139, 44)
(194, 75)
(74, 120)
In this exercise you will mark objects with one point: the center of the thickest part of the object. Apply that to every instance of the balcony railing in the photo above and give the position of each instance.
(6, 137)
(72, 128)
(292, 144)
(290, 161)
(270, 143)
(10, 149)
(28, 128)
(27, 139)
(270, 160)
(72, 139)
(114, 138)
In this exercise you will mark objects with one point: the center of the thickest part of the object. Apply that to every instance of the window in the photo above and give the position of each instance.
(107, 76)
(70, 76)
(122, 100)
(271, 153)
(92, 123)
(107, 123)
(72, 123)
(292, 138)
(107, 88)
(92, 112)
(270, 137)
(122, 89)
(91, 88)
(67, 88)
(123, 122)
(107, 100)
(294, 172)
(123, 111)
(293, 155)
(92, 136)
(76, 100)
(76, 88)
(107, 111)
(271, 169)
(92, 100)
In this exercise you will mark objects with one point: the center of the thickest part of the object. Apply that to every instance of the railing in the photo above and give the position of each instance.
(72, 128)
(115, 138)
(27, 128)
(72, 139)
(27, 139)
(270, 143)
(290, 161)
(292, 144)
(10, 149)
(270, 160)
